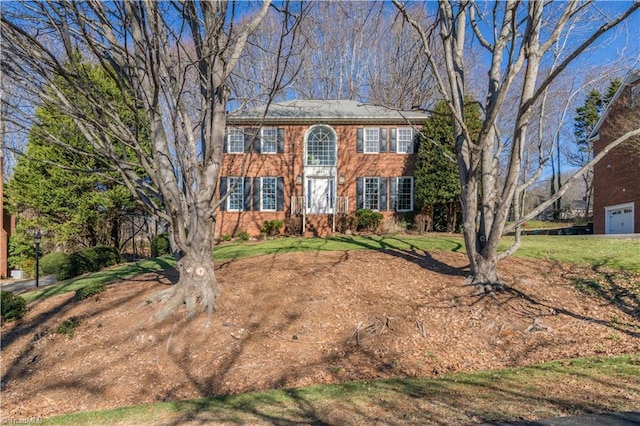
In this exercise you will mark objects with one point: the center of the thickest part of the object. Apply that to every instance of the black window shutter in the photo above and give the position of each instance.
(280, 140)
(383, 139)
(359, 139)
(256, 141)
(223, 192)
(383, 194)
(226, 141)
(247, 194)
(416, 141)
(256, 194)
(280, 194)
(247, 139)
(393, 143)
(359, 193)
(393, 193)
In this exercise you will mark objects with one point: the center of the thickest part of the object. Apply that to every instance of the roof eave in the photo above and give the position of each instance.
(632, 77)
(407, 121)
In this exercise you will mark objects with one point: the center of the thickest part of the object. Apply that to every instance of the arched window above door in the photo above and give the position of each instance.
(321, 147)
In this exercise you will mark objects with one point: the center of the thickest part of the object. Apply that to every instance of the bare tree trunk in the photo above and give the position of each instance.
(515, 36)
(198, 284)
(172, 64)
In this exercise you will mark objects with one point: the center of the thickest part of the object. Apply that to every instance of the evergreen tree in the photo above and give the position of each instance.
(437, 185)
(70, 195)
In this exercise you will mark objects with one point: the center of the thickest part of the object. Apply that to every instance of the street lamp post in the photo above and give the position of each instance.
(37, 238)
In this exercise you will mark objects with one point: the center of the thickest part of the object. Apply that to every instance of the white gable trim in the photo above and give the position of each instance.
(632, 77)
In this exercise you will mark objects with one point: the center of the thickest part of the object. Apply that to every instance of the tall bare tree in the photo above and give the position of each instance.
(517, 38)
(175, 59)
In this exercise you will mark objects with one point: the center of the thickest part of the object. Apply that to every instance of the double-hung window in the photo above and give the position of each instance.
(268, 193)
(405, 140)
(404, 194)
(235, 189)
(371, 140)
(269, 140)
(235, 141)
(371, 194)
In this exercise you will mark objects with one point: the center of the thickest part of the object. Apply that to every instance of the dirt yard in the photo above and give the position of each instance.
(305, 318)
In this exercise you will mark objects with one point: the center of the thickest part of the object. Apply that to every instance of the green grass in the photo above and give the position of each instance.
(106, 276)
(613, 253)
(545, 224)
(338, 243)
(609, 252)
(584, 385)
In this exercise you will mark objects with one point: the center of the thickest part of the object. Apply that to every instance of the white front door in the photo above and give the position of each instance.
(619, 219)
(320, 194)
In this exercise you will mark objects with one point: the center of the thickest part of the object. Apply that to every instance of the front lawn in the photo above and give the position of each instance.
(553, 389)
(588, 251)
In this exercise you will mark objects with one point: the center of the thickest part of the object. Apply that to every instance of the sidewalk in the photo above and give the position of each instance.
(610, 419)
(21, 286)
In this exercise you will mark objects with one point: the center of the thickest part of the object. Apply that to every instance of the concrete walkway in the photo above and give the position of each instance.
(612, 419)
(22, 286)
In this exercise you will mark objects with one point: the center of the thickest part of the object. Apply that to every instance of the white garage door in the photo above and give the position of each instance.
(620, 219)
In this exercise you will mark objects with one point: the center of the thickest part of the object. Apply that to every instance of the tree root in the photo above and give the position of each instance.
(484, 286)
(190, 296)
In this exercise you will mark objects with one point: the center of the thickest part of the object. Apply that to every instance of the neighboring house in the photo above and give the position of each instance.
(7, 227)
(616, 179)
(313, 160)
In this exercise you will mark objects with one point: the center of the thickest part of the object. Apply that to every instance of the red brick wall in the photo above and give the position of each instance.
(617, 175)
(290, 164)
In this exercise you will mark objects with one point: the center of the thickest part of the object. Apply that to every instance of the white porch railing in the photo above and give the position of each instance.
(342, 205)
(297, 205)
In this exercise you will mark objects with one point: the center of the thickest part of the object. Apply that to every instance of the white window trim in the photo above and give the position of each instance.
(411, 150)
(364, 192)
(275, 180)
(262, 144)
(398, 192)
(364, 141)
(240, 185)
(233, 131)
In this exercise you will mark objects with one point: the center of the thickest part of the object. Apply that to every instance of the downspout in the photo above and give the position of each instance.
(304, 184)
(334, 200)
(335, 187)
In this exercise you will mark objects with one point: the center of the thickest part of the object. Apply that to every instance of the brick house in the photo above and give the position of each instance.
(316, 160)
(616, 179)
(7, 227)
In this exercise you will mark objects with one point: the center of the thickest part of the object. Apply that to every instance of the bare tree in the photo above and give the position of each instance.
(398, 76)
(517, 38)
(174, 59)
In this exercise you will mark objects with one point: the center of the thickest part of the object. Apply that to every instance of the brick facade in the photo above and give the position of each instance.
(7, 227)
(294, 174)
(616, 183)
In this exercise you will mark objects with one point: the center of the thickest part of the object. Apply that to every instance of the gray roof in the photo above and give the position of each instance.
(327, 111)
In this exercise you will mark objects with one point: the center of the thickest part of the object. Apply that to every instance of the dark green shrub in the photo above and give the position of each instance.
(58, 264)
(272, 227)
(242, 236)
(68, 327)
(12, 307)
(226, 237)
(82, 262)
(90, 290)
(106, 256)
(93, 259)
(368, 220)
(160, 245)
